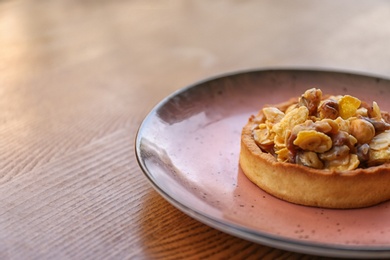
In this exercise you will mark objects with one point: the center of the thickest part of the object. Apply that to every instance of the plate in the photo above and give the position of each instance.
(188, 147)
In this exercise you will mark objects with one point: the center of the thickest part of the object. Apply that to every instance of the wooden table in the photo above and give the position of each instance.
(78, 77)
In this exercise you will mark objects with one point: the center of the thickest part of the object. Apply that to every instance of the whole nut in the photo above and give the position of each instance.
(329, 109)
(362, 130)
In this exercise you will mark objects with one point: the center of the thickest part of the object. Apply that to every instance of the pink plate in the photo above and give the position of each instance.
(188, 147)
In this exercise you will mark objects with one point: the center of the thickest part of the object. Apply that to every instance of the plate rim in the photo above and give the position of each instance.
(264, 238)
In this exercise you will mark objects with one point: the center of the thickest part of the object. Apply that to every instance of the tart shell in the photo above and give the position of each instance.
(312, 187)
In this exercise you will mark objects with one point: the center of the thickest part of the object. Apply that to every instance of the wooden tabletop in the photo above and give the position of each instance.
(78, 77)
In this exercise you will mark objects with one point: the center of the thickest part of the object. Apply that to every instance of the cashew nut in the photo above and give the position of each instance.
(309, 159)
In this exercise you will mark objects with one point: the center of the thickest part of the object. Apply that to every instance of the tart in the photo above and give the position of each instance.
(321, 151)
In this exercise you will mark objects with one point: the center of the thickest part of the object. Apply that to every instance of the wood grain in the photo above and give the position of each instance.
(78, 77)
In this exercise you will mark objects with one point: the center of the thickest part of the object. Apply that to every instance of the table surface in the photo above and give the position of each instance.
(78, 77)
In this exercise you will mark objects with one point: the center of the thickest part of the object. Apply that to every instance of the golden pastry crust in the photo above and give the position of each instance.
(308, 186)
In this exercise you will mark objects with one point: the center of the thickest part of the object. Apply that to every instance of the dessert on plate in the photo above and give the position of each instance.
(330, 151)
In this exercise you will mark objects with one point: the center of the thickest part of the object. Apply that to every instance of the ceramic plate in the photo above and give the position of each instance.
(188, 147)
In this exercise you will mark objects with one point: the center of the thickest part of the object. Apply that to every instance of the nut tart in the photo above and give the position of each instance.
(321, 151)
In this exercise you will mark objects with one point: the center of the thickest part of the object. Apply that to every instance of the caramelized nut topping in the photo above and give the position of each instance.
(335, 133)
